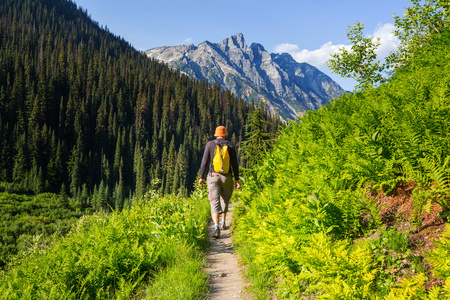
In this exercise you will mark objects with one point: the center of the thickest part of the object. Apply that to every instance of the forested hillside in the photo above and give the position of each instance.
(80, 107)
(354, 200)
(86, 117)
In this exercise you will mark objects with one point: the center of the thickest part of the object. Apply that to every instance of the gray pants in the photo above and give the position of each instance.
(220, 188)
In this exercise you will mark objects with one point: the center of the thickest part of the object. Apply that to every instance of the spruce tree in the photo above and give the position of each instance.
(170, 167)
(258, 140)
(63, 198)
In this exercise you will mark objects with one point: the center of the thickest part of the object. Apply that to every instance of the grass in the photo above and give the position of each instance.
(153, 250)
(183, 279)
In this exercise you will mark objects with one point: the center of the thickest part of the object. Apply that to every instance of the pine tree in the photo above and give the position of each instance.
(75, 168)
(18, 100)
(63, 198)
(84, 197)
(139, 171)
(36, 181)
(20, 159)
(103, 196)
(118, 197)
(176, 180)
(258, 141)
(170, 167)
(181, 171)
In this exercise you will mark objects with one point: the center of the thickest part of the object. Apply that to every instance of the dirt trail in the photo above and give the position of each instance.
(225, 279)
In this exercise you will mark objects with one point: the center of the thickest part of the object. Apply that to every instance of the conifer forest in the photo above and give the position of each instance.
(82, 110)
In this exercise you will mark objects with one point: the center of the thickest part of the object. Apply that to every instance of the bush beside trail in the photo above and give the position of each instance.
(136, 252)
(26, 220)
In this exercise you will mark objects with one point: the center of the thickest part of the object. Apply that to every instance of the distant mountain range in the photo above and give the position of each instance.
(288, 87)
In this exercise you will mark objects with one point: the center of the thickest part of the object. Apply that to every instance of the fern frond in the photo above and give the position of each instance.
(446, 287)
(439, 257)
(409, 288)
(436, 172)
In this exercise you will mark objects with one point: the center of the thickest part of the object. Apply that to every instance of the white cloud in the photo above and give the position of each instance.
(187, 41)
(319, 56)
(389, 42)
(286, 48)
(316, 57)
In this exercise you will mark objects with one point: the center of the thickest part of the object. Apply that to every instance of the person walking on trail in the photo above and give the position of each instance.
(219, 163)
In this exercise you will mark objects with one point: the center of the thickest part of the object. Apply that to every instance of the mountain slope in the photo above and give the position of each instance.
(290, 88)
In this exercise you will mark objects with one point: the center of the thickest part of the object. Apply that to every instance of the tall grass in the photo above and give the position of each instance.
(153, 250)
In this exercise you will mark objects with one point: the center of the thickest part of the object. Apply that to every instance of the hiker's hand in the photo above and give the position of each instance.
(237, 184)
(201, 181)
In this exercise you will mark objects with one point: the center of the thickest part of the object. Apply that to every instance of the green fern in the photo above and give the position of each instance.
(378, 138)
(333, 270)
(409, 288)
(439, 257)
(436, 172)
(439, 177)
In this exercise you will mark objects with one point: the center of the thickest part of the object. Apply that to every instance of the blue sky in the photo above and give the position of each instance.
(308, 30)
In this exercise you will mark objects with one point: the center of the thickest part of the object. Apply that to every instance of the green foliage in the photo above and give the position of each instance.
(120, 255)
(24, 216)
(435, 184)
(351, 149)
(410, 288)
(330, 270)
(393, 258)
(420, 24)
(394, 240)
(182, 279)
(440, 256)
(258, 136)
(417, 26)
(317, 212)
(359, 62)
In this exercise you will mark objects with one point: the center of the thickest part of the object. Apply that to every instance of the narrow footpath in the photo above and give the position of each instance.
(225, 279)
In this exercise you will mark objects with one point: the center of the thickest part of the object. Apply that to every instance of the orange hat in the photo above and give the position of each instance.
(221, 131)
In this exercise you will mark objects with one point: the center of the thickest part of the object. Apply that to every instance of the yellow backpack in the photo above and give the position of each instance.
(221, 160)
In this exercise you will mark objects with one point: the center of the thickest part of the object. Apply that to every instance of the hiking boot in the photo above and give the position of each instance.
(223, 226)
(216, 233)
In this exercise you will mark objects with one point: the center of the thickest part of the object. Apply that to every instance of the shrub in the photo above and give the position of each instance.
(118, 255)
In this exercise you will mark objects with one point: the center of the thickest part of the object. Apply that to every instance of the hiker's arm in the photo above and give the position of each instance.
(204, 165)
(234, 164)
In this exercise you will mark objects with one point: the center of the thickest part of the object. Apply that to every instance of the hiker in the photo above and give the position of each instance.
(219, 179)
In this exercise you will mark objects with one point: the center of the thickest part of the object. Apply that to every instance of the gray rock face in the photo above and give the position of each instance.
(288, 87)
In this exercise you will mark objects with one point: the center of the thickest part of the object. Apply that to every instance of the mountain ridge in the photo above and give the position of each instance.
(289, 88)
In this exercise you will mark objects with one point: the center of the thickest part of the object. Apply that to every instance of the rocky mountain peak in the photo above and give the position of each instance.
(257, 46)
(284, 57)
(288, 87)
(234, 41)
